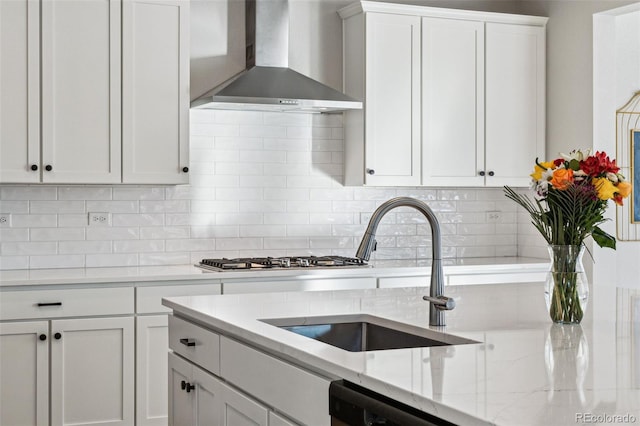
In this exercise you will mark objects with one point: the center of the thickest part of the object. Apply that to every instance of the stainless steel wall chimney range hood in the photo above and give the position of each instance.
(267, 83)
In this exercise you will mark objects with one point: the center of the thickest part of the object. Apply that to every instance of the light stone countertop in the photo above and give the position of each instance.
(525, 371)
(381, 268)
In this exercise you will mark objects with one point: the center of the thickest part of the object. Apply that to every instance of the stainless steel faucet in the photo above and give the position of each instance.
(438, 302)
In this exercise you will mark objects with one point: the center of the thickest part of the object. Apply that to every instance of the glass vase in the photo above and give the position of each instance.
(567, 288)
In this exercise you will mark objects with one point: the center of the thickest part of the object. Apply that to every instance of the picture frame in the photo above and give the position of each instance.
(628, 159)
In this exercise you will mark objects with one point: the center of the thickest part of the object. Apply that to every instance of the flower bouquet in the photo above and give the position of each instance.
(572, 196)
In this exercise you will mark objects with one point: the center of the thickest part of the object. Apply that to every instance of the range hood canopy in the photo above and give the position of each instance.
(267, 83)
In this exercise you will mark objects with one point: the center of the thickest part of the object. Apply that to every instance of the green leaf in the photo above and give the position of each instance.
(603, 239)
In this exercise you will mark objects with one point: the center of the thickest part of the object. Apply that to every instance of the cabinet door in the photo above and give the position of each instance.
(181, 403)
(81, 91)
(392, 100)
(515, 102)
(24, 369)
(92, 371)
(155, 91)
(240, 410)
(20, 88)
(152, 345)
(277, 420)
(208, 399)
(452, 102)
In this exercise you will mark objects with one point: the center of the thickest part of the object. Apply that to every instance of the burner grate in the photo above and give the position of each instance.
(225, 264)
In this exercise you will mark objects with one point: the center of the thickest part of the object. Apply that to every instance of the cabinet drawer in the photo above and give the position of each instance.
(65, 303)
(149, 299)
(198, 345)
(297, 393)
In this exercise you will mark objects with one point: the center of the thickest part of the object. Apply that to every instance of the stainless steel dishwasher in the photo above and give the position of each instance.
(353, 405)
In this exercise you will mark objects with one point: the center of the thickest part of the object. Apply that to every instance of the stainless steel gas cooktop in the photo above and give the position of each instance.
(253, 263)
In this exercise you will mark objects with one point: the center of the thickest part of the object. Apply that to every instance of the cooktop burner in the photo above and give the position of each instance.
(241, 264)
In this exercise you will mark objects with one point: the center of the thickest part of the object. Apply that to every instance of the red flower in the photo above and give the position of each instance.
(598, 164)
(558, 161)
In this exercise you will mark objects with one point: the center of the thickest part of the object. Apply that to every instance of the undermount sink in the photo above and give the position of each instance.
(359, 333)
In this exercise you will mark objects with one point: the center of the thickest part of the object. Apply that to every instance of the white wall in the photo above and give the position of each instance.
(616, 78)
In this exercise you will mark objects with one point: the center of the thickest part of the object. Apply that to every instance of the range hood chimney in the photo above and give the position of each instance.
(267, 83)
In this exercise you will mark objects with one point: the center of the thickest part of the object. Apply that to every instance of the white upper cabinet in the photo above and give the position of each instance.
(469, 110)
(156, 91)
(94, 91)
(515, 102)
(452, 102)
(382, 67)
(81, 91)
(20, 88)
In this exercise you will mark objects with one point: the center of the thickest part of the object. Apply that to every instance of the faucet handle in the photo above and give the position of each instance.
(442, 303)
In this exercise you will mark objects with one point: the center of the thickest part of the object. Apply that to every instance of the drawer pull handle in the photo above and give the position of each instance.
(50, 304)
(183, 385)
(188, 342)
(190, 387)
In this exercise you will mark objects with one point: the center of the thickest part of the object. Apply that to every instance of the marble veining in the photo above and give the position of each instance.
(525, 371)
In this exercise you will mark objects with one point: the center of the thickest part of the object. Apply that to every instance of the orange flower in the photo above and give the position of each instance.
(624, 189)
(562, 178)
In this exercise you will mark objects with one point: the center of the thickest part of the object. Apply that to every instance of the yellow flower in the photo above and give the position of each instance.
(624, 189)
(537, 170)
(605, 188)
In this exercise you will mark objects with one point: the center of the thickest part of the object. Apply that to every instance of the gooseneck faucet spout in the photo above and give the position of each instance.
(438, 303)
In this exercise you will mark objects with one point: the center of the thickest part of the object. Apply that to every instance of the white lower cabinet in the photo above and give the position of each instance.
(152, 341)
(24, 371)
(199, 398)
(67, 357)
(92, 371)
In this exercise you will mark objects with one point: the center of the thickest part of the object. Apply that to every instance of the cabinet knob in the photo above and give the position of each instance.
(186, 386)
(34, 167)
(185, 169)
(48, 167)
(371, 171)
(481, 172)
(42, 337)
(491, 173)
(57, 336)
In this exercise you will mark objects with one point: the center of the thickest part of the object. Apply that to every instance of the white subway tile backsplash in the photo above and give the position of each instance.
(28, 248)
(84, 193)
(32, 192)
(145, 219)
(109, 233)
(261, 183)
(57, 234)
(114, 206)
(34, 220)
(85, 247)
(134, 193)
(15, 207)
(106, 260)
(56, 207)
(58, 261)
(15, 234)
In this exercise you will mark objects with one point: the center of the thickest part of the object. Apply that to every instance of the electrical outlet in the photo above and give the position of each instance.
(494, 216)
(5, 220)
(99, 219)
